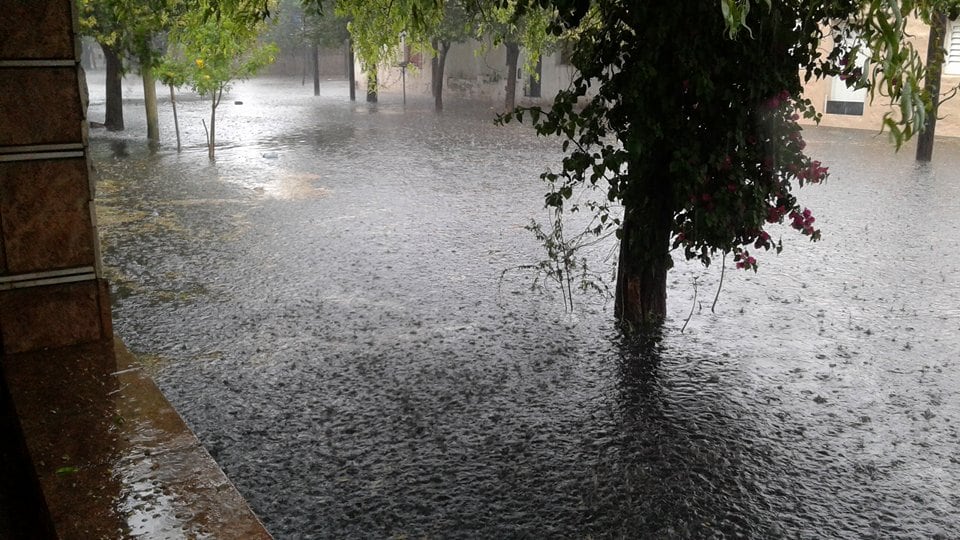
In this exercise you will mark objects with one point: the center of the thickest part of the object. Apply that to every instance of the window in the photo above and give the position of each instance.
(951, 43)
(843, 99)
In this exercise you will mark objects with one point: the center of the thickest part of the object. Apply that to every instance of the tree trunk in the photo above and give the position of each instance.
(212, 136)
(315, 55)
(938, 29)
(113, 120)
(440, 63)
(150, 105)
(372, 84)
(176, 122)
(513, 54)
(434, 66)
(641, 291)
(351, 70)
(306, 60)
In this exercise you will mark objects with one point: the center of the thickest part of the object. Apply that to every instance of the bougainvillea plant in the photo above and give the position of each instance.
(685, 114)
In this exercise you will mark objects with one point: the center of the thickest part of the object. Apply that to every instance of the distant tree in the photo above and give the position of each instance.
(172, 74)
(376, 27)
(214, 46)
(323, 31)
(129, 29)
(690, 125)
(97, 19)
(527, 28)
(307, 30)
(456, 26)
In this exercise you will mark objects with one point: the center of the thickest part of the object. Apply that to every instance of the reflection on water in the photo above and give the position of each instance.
(339, 335)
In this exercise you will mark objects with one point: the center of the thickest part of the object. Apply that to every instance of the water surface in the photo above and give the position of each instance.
(327, 307)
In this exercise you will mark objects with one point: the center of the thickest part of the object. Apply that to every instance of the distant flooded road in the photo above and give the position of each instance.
(327, 307)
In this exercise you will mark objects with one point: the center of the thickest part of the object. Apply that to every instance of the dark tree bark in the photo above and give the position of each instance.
(176, 122)
(315, 56)
(938, 30)
(434, 67)
(641, 290)
(212, 134)
(351, 71)
(513, 55)
(372, 85)
(439, 64)
(113, 120)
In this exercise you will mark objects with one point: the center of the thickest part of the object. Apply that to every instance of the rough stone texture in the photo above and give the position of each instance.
(50, 316)
(113, 459)
(40, 106)
(36, 30)
(45, 215)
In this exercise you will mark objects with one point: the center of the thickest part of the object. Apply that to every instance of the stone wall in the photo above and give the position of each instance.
(51, 291)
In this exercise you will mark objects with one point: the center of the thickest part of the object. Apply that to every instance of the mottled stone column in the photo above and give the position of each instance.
(51, 291)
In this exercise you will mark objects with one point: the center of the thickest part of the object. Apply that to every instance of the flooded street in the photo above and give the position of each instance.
(327, 307)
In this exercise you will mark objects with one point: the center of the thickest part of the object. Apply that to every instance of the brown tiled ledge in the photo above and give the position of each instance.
(110, 455)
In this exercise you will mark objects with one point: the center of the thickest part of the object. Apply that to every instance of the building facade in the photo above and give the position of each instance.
(844, 107)
(477, 71)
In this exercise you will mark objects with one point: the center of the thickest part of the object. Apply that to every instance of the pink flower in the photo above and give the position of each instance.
(745, 261)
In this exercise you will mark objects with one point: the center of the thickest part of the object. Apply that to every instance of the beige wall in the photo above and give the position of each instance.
(948, 123)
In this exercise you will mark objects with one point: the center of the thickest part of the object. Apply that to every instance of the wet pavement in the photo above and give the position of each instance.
(110, 456)
(327, 307)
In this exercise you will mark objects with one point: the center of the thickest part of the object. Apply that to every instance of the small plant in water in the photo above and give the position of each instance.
(564, 264)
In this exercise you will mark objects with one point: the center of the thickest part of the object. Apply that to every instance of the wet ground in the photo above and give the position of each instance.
(327, 308)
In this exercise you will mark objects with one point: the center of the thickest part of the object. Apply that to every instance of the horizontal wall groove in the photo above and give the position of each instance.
(37, 63)
(36, 156)
(33, 148)
(51, 277)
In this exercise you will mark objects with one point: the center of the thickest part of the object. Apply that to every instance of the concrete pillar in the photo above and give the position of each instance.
(51, 289)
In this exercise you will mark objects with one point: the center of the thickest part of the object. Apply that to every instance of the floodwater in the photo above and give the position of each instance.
(327, 307)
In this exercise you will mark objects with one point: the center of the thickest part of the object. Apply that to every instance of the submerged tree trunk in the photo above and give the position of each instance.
(315, 56)
(439, 64)
(176, 122)
(372, 84)
(351, 70)
(150, 106)
(212, 135)
(513, 55)
(434, 67)
(113, 119)
(938, 30)
(306, 61)
(641, 290)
